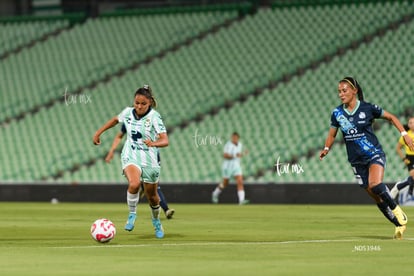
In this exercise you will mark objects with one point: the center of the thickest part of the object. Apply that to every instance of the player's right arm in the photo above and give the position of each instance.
(226, 152)
(115, 143)
(400, 146)
(111, 123)
(330, 139)
(228, 156)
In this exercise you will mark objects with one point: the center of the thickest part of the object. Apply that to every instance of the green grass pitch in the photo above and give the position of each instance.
(54, 239)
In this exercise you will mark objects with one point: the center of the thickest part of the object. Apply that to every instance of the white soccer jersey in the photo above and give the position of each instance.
(232, 149)
(148, 127)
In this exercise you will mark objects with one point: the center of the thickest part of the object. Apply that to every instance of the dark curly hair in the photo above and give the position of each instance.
(147, 92)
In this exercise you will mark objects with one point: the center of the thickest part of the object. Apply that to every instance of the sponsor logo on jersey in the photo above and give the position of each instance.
(352, 131)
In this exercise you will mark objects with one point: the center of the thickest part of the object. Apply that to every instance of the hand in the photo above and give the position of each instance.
(148, 142)
(406, 161)
(96, 139)
(109, 156)
(323, 153)
(409, 142)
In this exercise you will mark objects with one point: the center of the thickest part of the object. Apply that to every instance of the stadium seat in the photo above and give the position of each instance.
(286, 121)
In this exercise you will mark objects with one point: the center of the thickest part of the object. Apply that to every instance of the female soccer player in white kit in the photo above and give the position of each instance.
(231, 168)
(145, 133)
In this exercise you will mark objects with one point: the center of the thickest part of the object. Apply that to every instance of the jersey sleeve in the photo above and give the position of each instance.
(158, 124)
(334, 121)
(377, 111)
(123, 129)
(123, 114)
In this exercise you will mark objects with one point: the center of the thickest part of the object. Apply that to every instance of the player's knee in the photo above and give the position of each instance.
(154, 200)
(134, 183)
(372, 184)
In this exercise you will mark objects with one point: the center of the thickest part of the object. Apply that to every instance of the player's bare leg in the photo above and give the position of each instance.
(154, 202)
(220, 187)
(240, 190)
(133, 174)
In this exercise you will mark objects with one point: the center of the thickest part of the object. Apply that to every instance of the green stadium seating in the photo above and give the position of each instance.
(15, 35)
(90, 51)
(286, 121)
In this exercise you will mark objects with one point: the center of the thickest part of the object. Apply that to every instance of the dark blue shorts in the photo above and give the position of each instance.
(361, 171)
(410, 166)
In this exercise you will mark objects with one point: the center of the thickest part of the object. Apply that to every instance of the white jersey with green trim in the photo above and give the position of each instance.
(138, 130)
(233, 150)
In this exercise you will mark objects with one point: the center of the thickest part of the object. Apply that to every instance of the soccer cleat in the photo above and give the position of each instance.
(214, 198)
(169, 214)
(159, 231)
(244, 202)
(395, 191)
(129, 226)
(400, 215)
(399, 231)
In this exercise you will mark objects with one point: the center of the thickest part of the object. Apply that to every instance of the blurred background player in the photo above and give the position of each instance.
(145, 133)
(169, 213)
(408, 159)
(233, 152)
(354, 117)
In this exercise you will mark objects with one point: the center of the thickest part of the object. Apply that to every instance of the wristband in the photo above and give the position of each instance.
(403, 133)
(326, 148)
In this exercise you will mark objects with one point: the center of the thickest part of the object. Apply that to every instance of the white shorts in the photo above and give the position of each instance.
(231, 172)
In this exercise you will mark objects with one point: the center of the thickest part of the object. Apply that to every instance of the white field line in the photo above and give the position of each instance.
(191, 244)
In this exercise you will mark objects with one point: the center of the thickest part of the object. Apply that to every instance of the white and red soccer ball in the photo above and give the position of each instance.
(103, 230)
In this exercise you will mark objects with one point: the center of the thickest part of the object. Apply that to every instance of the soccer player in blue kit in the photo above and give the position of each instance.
(354, 117)
(145, 134)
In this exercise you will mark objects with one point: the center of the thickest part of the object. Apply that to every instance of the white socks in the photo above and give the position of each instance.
(217, 192)
(132, 200)
(241, 195)
(155, 211)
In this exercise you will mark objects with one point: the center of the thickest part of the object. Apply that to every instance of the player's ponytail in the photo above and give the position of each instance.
(147, 92)
(354, 83)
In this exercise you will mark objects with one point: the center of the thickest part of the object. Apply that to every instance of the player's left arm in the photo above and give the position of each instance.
(161, 137)
(243, 152)
(398, 125)
(161, 142)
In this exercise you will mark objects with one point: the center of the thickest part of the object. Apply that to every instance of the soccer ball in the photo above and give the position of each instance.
(103, 230)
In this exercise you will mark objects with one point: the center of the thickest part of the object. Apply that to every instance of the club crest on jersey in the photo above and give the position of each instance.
(362, 115)
(147, 123)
